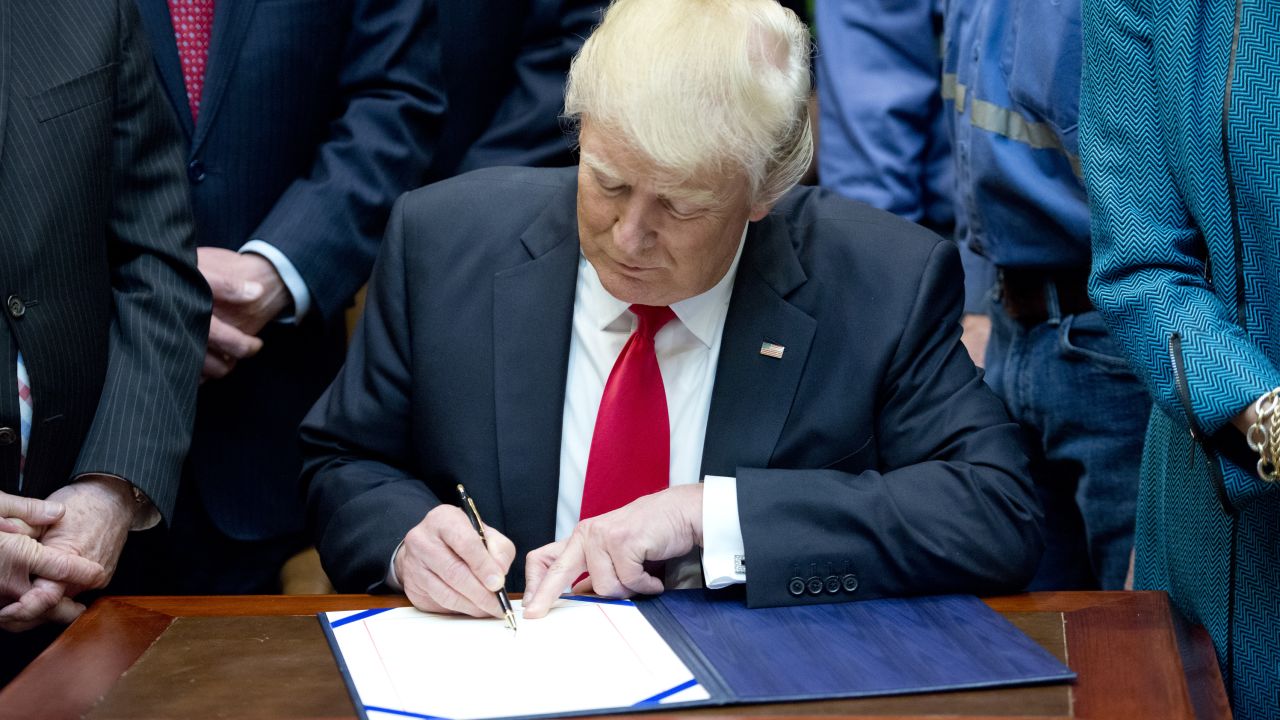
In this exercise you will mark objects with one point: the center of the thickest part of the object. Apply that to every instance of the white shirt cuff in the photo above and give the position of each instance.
(393, 582)
(288, 273)
(723, 561)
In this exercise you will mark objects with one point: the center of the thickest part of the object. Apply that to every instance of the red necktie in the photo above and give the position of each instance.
(192, 26)
(631, 447)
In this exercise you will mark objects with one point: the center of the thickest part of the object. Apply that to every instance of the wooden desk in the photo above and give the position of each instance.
(245, 657)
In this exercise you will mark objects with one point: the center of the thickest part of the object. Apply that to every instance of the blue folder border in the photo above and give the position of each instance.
(648, 704)
(659, 611)
(350, 682)
(668, 626)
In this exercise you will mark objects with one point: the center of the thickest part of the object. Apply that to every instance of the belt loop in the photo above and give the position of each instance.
(1051, 307)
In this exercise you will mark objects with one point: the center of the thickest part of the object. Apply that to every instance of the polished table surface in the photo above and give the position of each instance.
(266, 656)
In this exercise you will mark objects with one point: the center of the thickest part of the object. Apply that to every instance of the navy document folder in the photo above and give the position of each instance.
(681, 649)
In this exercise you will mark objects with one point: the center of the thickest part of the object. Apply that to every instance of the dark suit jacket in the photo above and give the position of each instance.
(316, 115)
(872, 447)
(504, 67)
(97, 252)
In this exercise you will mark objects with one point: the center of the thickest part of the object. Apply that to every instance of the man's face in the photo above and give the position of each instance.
(653, 242)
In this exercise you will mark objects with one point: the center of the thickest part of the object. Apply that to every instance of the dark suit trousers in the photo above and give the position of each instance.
(195, 558)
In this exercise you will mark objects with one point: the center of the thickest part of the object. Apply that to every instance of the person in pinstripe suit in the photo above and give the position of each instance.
(102, 299)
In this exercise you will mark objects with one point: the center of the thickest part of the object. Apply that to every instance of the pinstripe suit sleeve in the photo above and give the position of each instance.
(330, 222)
(143, 422)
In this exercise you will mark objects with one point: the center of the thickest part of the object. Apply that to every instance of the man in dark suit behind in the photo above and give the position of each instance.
(104, 314)
(304, 121)
(794, 400)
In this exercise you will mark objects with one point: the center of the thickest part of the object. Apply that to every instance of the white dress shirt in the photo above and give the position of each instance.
(688, 349)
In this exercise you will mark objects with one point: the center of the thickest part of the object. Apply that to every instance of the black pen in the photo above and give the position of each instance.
(469, 507)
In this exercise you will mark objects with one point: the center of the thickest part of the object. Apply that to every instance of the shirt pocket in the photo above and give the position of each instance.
(97, 85)
(1040, 61)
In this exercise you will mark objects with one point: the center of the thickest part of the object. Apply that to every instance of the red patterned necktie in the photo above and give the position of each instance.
(631, 446)
(192, 26)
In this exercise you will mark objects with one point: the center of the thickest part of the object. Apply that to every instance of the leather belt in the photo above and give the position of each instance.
(1025, 293)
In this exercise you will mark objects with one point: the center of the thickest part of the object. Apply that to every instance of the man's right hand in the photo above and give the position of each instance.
(443, 565)
(22, 521)
(98, 513)
(22, 557)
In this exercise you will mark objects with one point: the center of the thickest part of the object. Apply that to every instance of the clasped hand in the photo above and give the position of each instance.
(51, 550)
(247, 294)
(444, 567)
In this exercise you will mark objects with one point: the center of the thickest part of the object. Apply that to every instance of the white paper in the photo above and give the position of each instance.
(582, 656)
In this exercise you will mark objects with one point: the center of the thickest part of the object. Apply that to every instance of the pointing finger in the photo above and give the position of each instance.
(571, 563)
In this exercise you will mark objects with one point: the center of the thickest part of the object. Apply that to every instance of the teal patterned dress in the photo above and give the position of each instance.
(1180, 139)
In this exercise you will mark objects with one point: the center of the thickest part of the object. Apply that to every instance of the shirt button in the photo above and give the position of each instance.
(7, 436)
(815, 585)
(195, 171)
(850, 582)
(833, 584)
(16, 307)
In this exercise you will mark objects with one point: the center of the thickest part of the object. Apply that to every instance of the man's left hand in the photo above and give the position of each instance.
(98, 513)
(247, 294)
(614, 547)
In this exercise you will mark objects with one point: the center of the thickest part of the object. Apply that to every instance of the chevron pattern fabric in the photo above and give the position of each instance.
(1155, 75)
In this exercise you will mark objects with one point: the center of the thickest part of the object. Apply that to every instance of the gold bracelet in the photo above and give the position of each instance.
(1260, 437)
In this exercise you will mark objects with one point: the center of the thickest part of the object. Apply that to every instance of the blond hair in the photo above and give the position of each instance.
(701, 86)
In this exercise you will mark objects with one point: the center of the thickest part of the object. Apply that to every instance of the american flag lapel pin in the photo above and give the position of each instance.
(772, 350)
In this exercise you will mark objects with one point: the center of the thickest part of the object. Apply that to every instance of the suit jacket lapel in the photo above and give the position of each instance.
(753, 392)
(533, 319)
(230, 22)
(159, 25)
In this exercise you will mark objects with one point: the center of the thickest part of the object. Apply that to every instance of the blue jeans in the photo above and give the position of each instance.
(1084, 415)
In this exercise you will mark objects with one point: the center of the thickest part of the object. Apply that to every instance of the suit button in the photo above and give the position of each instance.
(815, 585)
(16, 307)
(833, 584)
(796, 586)
(850, 582)
(7, 436)
(195, 171)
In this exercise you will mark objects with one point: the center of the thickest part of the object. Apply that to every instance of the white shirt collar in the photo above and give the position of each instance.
(702, 314)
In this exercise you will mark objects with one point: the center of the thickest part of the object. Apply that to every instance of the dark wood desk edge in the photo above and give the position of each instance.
(111, 627)
(211, 605)
(147, 617)
(244, 605)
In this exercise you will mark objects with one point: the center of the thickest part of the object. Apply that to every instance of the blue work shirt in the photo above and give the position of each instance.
(882, 135)
(1011, 80)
